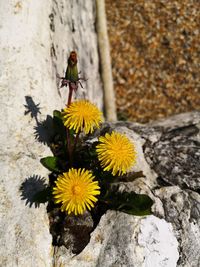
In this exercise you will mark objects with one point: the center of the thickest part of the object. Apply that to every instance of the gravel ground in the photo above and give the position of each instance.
(155, 50)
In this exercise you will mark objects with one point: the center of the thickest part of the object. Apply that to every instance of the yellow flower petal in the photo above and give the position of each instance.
(82, 116)
(116, 153)
(76, 190)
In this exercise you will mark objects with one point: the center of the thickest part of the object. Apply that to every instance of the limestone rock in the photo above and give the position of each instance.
(172, 150)
(35, 39)
(176, 156)
(182, 209)
(124, 240)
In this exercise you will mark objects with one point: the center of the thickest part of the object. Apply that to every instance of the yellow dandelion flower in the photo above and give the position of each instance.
(116, 153)
(76, 190)
(82, 116)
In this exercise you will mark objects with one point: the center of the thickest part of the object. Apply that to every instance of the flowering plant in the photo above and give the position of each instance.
(85, 174)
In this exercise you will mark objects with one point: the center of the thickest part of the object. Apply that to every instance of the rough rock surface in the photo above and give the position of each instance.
(123, 240)
(170, 237)
(33, 53)
(35, 39)
(72, 27)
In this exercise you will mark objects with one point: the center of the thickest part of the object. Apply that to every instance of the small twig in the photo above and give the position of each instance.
(69, 145)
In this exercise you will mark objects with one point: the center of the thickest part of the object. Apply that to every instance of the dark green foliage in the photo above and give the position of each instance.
(57, 113)
(51, 163)
(85, 156)
(128, 202)
(59, 127)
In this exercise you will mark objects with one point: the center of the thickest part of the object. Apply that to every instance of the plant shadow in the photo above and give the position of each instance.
(43, 131)
(32, 108)
(35, 191)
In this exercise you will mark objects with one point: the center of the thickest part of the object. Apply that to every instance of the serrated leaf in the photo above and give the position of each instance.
(128, 202)
(51, 163)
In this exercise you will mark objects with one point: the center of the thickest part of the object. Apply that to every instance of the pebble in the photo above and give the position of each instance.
(155, 56)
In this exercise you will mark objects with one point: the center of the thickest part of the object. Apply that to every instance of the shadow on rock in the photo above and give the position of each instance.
(44, 131)
(35, 191)
(32, 108)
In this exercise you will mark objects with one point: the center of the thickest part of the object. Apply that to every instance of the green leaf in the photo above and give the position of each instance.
(128, 202)
(58, 114)
(58, 118)
(51, 163)
(59, 127)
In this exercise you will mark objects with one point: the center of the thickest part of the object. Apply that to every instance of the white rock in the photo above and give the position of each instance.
(125, 240)
(159, 242)
(35, 40)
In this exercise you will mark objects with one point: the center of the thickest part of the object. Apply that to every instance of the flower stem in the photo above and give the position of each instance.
(70, 94)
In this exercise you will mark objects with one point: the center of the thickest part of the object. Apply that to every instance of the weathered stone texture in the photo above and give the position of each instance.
(124, 240)
(35, 39)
